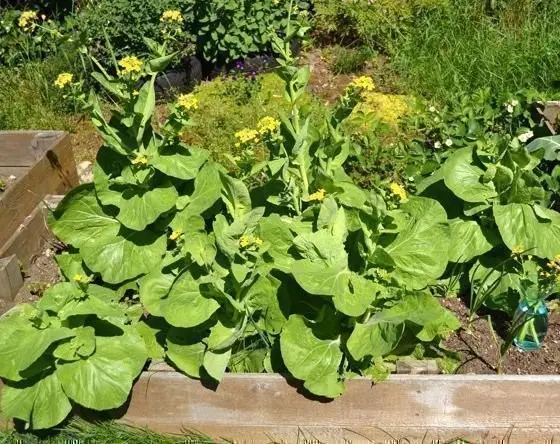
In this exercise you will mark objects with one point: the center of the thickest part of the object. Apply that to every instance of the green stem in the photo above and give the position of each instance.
(533, 331)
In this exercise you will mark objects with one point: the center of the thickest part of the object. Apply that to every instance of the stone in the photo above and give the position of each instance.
(85, 172)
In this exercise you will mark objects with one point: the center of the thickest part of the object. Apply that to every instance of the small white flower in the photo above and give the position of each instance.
(524, 138)
(436, 119)
(411, 179)
(514, 102)
(432, 109)
(509, 109)
(449, 142)
(437, 145)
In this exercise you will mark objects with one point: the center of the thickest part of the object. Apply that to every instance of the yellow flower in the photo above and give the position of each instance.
(140, 159)
(246, 136)
(63, 79)
(135, 93)
(364, 83)
(80, 278)
(187, 101)
(176, 235)
(172, 16)
(318, 195)
(130, 65)
(27, 20)
(249, 240)
(245, 241)
(268, 125)
(517, 251)
(398, 190)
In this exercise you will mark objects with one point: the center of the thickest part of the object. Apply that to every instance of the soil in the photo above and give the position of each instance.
(38, 275)
(479, 352)
(86, 141)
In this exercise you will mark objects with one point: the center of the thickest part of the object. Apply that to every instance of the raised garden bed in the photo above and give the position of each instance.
(269, 408)
(40, 163)
(33, 164)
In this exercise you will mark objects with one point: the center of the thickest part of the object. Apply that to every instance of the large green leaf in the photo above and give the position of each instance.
(24, 346)
(236, 196)
(186, 350)
(185, 306)
(311, 359)
(108, 248)
(153, 288)
(468, 240)
(422, 310)
(103, 381)
(207, 190)
(144, 106)
(550, 147)
(264, 297)
(464, 178)
(179, 162)
(321, 279)
(274, 231)
(139, 208)
(420, 250)
(529, 227)
(215, 363)
(41, 402)
(357, 295)
(374, 338)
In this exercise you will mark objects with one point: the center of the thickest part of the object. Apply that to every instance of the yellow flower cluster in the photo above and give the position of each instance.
(172, 16)
(130, 65)
(27, 20)
(140, 160)
(318, 195)
(249, 240)
(176, 234)
(398, 190)
(187, 101)
(389, 108)
(268, 125)
(63, 80)
(518, 251)
(364, 83)
(246, 136)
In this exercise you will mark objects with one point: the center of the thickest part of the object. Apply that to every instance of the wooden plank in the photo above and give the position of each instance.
(24, 148)
(266, 408)
(30, 237)
(11, 279)
(54, 173)
(7, 171)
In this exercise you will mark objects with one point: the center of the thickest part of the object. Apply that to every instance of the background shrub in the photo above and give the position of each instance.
(373, 22)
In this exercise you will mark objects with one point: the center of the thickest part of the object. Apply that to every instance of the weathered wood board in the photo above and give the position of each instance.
(46, 166)
(267, 408)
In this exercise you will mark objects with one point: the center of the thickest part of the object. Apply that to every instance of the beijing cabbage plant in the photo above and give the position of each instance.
(499, 205)
(305, 273)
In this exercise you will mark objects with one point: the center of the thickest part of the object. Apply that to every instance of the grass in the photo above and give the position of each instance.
(29, 100)
(80, 431)
(464, 48)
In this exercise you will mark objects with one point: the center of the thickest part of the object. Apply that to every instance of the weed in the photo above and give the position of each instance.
(343, 60)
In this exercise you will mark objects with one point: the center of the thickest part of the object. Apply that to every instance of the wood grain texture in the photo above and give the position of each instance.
(11, 279)
(30, 237)
(266, 408)
(25, 148)
(53, 173)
